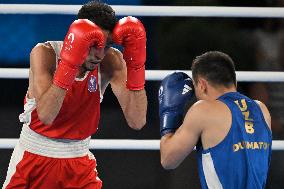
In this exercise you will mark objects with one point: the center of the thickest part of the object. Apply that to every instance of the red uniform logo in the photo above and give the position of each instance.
(92, 84)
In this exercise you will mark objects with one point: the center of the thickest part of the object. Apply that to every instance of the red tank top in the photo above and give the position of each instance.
(79, 115)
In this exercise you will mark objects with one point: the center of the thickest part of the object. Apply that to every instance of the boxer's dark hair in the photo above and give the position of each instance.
(216, 67)
(100, 13)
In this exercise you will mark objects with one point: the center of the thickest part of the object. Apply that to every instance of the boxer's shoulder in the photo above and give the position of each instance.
(42, 47)
(42, 51)
(113, 61)
(43, 57)
(113, 58)
(209, 106)
(208, 112)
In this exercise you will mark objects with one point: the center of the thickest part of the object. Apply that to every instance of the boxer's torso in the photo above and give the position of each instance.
(79, 115)
(242, 158)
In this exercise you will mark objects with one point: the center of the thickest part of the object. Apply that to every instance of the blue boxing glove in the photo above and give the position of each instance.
(175, 90)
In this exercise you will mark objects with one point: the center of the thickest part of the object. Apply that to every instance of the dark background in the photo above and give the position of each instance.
(254, 45)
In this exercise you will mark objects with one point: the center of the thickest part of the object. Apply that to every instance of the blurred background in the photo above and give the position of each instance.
(173, 42)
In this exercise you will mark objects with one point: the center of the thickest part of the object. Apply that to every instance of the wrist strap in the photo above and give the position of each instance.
(64, 75)
(135, 78)
(170, 122)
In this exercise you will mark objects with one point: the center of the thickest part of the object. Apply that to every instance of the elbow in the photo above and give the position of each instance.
(137, 124)
(168, 161)
(166, 164)
(45, 119)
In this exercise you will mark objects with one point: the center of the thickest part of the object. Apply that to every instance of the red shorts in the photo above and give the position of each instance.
(34, 171)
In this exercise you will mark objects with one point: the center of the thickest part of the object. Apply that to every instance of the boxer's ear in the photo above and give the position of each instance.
(202, 84)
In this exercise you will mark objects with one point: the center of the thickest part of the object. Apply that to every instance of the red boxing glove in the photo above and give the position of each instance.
(130, 33)
(82, 35)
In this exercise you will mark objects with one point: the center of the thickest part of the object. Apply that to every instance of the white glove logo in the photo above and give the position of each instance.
(72, 36)
(161, 90)
(186, 89)
(68, 44)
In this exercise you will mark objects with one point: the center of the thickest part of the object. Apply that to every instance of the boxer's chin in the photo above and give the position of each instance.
(89, 66)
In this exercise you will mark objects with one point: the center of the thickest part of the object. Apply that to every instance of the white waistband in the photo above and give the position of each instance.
(56, 148)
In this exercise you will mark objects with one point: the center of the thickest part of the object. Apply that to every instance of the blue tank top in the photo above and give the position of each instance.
(242, 159)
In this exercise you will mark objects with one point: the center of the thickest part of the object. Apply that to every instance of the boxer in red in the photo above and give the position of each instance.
(67, 81)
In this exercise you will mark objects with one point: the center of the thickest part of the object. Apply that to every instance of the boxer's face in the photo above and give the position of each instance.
(96, 55)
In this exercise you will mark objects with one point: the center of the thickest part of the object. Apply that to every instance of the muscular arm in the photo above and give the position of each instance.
(49, 98)
(133, 103)
(174, 147)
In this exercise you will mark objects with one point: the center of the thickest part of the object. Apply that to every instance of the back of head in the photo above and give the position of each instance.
(216, 67)
(100, 13)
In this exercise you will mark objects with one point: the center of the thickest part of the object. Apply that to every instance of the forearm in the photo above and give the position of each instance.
(167, 159)
(176, 138)
(130, 33)
(49, 104)
(136, 108)
(173, 150)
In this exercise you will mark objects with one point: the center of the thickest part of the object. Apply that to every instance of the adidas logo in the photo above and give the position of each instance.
(186, 89)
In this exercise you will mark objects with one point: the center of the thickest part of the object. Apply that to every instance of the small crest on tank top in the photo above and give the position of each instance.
(92, 84)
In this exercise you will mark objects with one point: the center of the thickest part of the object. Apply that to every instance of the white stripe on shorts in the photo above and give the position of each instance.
(17, 156)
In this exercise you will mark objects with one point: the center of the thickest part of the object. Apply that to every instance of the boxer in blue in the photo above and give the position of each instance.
(232, 133)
